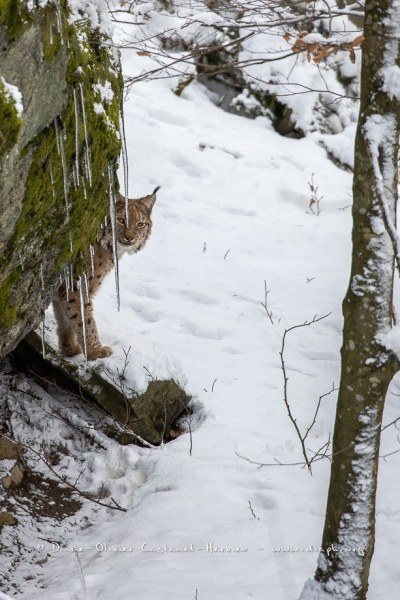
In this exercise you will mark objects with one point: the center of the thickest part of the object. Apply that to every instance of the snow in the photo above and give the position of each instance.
(4, 596)
(353, 535)
(14, 95)
(95, 11)
(391, 340)
(32, 4)
(98, 108)
(390, 72)
(391, 81)
(105, 91)
(232, 213)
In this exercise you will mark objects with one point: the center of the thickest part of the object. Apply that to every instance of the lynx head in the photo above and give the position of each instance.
(133, 235)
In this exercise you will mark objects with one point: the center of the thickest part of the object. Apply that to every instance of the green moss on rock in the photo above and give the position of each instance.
(14, 17)
(8, 309)
(59, 213)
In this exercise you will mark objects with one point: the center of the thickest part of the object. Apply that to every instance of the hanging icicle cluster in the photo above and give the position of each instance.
(60, 136)
(71, 143)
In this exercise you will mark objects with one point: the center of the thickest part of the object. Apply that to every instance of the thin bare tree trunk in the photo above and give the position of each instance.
(367, 365)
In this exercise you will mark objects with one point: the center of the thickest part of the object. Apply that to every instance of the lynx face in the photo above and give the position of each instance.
(133, 235)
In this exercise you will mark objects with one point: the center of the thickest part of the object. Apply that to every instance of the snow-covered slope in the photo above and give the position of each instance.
(232, 213)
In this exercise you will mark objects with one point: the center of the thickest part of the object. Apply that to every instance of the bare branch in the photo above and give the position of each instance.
(65, 482)
(302, 438)
(265, 303)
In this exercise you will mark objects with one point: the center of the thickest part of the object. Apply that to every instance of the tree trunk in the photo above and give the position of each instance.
(367, 366)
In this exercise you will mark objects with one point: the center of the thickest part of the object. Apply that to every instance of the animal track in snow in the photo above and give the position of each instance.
(146, 314)
(203, 332)
(170, 118)
(146, 291)
(198, 297)
(263, 501)
(239, 212)
(190, 168)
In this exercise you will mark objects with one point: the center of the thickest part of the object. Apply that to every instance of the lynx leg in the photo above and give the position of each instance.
(93, 344)
(67, 342)
(71, 336)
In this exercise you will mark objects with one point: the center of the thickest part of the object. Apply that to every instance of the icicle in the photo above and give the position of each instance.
(82, 302)
(57, 136)
(52, 179)
(84, 189)
(76, 108)
(51, 34)
(91, 251)
(85, 279)
(43, 344)
(42, 276)
(71, 275)
(74, 177)
(67, 281)
(71, 247)
(124, 161)
(114, 231)
(61, 151)
(59, 22)
(87, 149)
(67, 278)
(64, 168)
(86, 162)
(21, 261)
(42, 332)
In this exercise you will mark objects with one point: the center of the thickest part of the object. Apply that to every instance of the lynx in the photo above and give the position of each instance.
(131, 237)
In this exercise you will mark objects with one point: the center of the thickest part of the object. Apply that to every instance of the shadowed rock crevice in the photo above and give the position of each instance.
(148, 417)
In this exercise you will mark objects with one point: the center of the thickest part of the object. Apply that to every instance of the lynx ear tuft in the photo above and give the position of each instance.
(148, 201)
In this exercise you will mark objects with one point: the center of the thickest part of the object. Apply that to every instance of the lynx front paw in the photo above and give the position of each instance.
(101, 352)
(70, 350)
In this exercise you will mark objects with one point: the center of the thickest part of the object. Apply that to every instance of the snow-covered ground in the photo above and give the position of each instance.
(232, 213)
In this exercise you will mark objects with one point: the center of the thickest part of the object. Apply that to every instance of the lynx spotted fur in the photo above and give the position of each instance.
(131, 237)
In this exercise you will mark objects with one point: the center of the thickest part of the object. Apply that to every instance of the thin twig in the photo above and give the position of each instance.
(302, 438)
(252, 512)
(265, 303)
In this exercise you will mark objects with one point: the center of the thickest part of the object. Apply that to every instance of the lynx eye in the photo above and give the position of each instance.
(140, 224)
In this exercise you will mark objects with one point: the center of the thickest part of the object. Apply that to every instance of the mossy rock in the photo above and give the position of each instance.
(9, 449)
(54, 158)
(7, 518)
